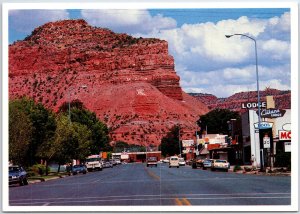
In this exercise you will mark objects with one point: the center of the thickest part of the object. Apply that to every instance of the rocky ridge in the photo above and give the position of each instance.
(130, 83)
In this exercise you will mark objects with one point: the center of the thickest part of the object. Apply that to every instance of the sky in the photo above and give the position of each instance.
(205, 60)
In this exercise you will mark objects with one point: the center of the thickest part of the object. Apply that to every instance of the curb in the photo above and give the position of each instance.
(39, 180)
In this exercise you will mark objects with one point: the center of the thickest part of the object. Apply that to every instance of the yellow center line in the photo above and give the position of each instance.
(152, 174)
(182, 201)
(178, 202)
(186, 202)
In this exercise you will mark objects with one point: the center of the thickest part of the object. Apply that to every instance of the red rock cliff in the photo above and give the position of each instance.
(129, 82)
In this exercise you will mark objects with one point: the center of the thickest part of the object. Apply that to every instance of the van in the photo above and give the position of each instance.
(174, 161)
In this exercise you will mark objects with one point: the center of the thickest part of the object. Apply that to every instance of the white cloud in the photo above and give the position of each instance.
(277, 49)
(129, 21)
(26, 20)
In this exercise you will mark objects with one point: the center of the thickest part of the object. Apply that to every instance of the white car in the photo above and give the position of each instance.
(166, 160)
(181, 161)
(174, 161)
(220, 164)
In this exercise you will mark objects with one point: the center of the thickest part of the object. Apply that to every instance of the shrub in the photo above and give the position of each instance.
(237, 168)
(39, 169)
(247, 169)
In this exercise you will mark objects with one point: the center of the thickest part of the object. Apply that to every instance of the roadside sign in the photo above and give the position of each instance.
(267, 142)
(263, 125)
(287, 147)
(271, 113)
(284, 135)
(187, 143)
(251, 105)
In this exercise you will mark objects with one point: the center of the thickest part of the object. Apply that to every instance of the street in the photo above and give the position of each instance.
(136, 184)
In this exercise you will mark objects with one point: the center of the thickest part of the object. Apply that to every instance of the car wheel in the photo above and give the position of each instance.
(212, 169)
(169, 166)
(25, 182)
(204, 168)
(226, 170)
(84, 172)
(177, 166)
(21, 182)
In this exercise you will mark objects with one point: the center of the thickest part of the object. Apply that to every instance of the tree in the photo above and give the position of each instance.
(71, 141)
(20, 132)
(170, 143)
(43, 125)
(100, 137)
(217, 120)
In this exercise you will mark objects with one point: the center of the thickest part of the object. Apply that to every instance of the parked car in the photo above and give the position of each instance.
(207, 163)
(166, 160)
(107, 164)
(17, 175)
(152, 161)
(76, 169)
(174, 161)
(181, 161)
(220, 164)
(199, 162)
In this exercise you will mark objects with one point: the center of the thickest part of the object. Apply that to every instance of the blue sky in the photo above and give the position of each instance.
(205, 60)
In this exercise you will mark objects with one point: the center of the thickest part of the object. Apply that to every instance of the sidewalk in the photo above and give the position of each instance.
(38, 180)
(275, 171)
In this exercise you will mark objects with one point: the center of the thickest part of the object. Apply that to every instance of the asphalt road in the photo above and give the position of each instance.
(136, 184)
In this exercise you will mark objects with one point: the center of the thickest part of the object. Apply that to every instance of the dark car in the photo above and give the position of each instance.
(17, 175)
(76, 169)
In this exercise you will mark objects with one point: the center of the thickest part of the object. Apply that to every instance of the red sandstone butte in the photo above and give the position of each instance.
(130, 83)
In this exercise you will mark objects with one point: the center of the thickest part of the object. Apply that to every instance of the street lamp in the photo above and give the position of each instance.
(69, 104)
(257, 85)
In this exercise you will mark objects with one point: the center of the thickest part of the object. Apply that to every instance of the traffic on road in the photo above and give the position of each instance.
(135, 184)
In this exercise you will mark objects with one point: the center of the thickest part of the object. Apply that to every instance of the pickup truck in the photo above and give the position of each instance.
(152, 161)
(94, 162)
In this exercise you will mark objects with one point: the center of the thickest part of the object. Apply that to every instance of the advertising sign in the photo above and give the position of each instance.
(187, 143)
(271, 113)
(284, 135)
(263, 125)
(250, 105)
(287, 146)
(266, 138)
(267, 142)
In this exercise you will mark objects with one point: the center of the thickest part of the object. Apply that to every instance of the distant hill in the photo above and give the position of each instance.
(234, 102)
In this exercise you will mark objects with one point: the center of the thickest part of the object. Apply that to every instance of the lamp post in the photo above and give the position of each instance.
(257, 85)
(179, 140)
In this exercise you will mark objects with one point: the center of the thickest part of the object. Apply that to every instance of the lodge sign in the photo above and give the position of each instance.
(250, 105)
(271, 113)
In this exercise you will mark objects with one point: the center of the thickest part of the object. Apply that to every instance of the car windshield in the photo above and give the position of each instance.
(92, 159)
(77, 166)
(220, 161)
(174, 158)
(207, 161)
(181, 159)
(14, 169)
(152, 159)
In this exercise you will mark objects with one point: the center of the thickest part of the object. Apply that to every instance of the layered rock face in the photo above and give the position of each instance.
(130, 83)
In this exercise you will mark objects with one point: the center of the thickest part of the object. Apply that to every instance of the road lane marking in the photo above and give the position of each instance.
(152, 174)
(186, 202)
(46, 204)
(155, 196)
(182, 201)
(177, 202)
